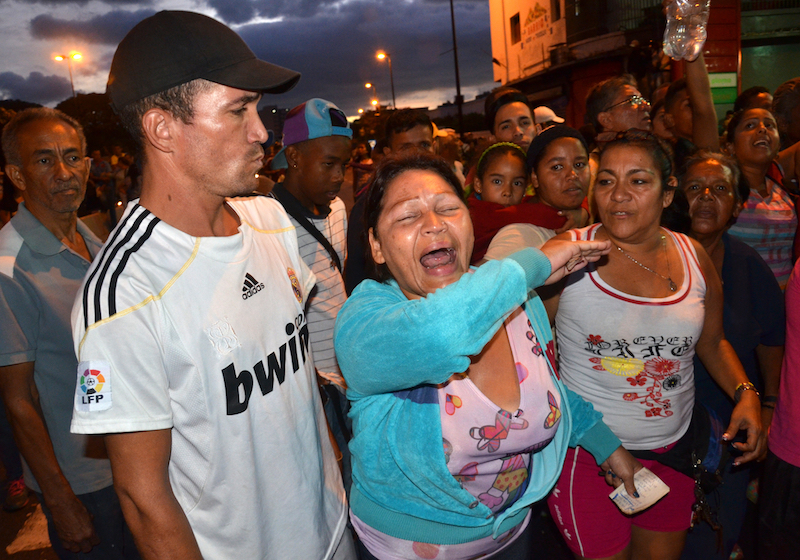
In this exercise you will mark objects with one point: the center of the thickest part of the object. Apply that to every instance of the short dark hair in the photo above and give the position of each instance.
(178, 101)
(538, 147)
(652, 144)
(387, 171)
(602, 95)
(743, 99)
(497, 99)
(404, 120)
(736, 119)
(784, 100)
(23, 118)
(672, 93)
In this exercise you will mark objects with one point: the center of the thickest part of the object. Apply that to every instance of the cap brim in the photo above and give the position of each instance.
(255, 75)
(270, 139)
(279, 161)
(558, 120)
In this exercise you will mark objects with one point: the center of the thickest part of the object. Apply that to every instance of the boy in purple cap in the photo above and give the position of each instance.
(317, 138)
(190, 328)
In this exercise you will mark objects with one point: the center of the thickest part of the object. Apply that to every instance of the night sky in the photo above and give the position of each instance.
(332, 43)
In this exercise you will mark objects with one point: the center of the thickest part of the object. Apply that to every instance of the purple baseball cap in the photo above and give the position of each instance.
(316, 118)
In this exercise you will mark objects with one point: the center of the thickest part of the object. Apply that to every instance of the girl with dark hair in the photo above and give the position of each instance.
(498, 198)
(768, 220)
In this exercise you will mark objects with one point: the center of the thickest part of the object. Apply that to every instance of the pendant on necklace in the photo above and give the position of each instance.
(672, 286)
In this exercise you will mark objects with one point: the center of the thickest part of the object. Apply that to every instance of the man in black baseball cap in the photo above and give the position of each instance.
(190, 328)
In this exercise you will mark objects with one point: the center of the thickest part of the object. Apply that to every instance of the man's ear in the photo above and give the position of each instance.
(375, 247)
(15, 174)
(387, 151)
(605, 120)
(292, 156)
(159, 128)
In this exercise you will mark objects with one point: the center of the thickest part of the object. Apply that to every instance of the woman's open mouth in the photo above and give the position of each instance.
(438, 258)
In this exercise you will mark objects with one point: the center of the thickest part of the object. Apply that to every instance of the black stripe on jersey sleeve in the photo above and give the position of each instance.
(106, 249)
(112, 286)
(98, 315)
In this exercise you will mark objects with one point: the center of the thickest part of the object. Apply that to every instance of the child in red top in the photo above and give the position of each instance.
(498, 197)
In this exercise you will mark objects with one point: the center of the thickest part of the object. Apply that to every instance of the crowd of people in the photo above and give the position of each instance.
(247, 369)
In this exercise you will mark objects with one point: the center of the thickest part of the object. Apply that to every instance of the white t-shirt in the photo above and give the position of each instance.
(329, 295)
(208, 337)
(631, 356)
(515, 237)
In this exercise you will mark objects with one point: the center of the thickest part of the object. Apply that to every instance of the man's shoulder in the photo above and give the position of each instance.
(140, 258)
(338, 208)
(10, 244)
(263, 213)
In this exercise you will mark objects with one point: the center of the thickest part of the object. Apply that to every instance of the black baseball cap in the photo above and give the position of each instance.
(171, 48)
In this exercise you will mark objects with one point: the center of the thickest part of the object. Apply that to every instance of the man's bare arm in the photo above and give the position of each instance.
(704, 117)
(139, 462)
(73, 523)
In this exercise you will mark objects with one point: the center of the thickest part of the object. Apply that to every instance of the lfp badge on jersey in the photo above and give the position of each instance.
(298, 293)
(93, 389)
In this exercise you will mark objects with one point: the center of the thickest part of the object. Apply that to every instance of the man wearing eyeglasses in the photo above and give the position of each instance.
(616, 105)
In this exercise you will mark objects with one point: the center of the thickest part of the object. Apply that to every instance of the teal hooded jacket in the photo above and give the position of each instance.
(393, 352)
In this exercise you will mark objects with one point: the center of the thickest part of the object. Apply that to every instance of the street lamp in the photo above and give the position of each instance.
(360, 111)
(383, 55)
(69, 58)
(374, 101)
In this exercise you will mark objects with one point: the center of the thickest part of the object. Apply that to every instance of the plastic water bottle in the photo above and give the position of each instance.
(686, 33)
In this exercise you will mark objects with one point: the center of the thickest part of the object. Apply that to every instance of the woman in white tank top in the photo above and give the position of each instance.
(628, 327)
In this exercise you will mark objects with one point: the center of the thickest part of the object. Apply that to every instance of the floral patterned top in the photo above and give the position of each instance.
(631, 357)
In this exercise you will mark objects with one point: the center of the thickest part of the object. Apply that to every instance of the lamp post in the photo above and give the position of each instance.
(383, 55)
(69, 58)
(375, 100)
(459, 97)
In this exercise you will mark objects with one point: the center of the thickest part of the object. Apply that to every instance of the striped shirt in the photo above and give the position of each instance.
(329, 294)
(768, 225)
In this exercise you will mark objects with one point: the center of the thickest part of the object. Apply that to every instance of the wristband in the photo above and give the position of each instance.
(741, 388)
(769, 399)
(768, 405)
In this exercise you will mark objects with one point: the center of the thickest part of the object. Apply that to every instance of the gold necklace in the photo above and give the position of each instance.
(672, 286)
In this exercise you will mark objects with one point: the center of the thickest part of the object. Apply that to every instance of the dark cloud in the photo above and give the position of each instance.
(84, 2)
(106, 29)
(334, 45)
(242, 11)
(36, 88)
(335, 50)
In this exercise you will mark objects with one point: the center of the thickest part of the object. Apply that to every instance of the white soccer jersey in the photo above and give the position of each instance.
(207, 336)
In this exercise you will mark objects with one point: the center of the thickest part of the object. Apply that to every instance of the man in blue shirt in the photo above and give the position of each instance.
(45, 252)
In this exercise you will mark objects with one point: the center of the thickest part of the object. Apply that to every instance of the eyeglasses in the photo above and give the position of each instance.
(635, 100)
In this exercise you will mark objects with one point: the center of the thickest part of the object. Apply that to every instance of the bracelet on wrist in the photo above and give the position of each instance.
(769, 399)
(741, 388)
(768, 405)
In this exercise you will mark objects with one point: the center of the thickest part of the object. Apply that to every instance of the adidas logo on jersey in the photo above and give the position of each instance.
(251, 286)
